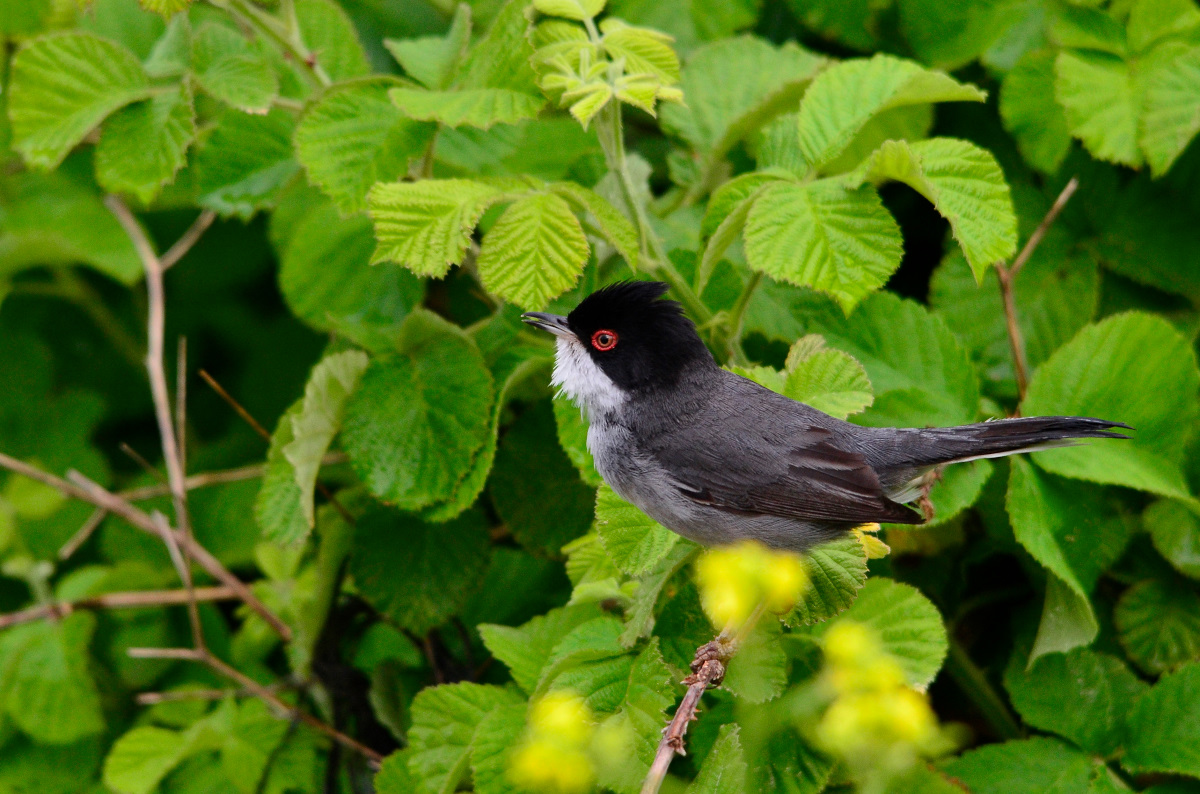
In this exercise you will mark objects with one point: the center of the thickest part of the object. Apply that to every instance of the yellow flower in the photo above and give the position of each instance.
(554, 754)
(563, 715)
(734, 580)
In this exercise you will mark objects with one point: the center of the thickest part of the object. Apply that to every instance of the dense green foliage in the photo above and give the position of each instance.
(834, 189)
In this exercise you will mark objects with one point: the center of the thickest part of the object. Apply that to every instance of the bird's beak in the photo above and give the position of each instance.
(553, 323)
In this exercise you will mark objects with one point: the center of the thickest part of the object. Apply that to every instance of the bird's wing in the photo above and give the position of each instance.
(773, 460)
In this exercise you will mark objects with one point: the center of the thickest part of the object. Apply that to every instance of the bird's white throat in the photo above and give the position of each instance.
(582, 380)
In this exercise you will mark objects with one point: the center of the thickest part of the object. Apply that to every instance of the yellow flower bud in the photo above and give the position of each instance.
(784, 581)
(544, 765)
(563, 716)
(734, 580)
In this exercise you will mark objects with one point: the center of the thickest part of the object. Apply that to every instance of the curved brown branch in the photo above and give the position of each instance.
(131, 600)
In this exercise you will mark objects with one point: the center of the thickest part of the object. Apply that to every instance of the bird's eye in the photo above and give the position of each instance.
(604, 340)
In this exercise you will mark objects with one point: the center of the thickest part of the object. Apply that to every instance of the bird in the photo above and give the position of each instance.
(718, 459)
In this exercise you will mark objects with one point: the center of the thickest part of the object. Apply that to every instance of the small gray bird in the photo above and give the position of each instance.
(717, 458)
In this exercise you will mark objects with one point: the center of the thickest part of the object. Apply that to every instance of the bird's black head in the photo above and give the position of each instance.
(636, 338)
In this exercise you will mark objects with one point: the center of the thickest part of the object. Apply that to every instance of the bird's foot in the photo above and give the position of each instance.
(925, 503)
(719, 650)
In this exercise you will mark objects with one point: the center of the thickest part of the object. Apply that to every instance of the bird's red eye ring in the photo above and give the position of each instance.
(604, 339)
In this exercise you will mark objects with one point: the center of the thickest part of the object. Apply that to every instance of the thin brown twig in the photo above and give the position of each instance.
(1006, 276)
(83, 533)
(181, 402)
(140, 460)
(235, 405)
(130, 600)
(151, 698)
(206, 479)
(188, 239)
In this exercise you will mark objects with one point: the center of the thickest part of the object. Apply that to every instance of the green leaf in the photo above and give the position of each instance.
(534, 252)
(426, 226)
(821, 235)
(1086, 28)
(430, 60)
(1170, 112)
(1175, 531)
(1041, 515)
(446, 721)
(1088, 377)
(1158, 624)
(25, 19)
(279, 506)
(61, 86)
(844, 97)
(735, 86)
(501, 59)
(1165, 726)
(526, 649)
(1097, 94)
(639, 616)
(758, 671)
(475, 107)
(551, 508)
(964, 183)
(1083, 696)
(326, 277)
(419, 417)
(836, 572)
(634, 541)
(732, 219)
(572, 437)
(615, 227)
(353, 137)
(828, 380)
(329, 386)
(245, 162)
(1152, 20)
(495, 737)
(329, 34)
(950, 36)
(143, 145)
(229, 68)
(724, 769)
(1030, 113)
(645, 51)
(394, 776)
(1024, 766)
(408, 571)
(570, 9)
(909, 626)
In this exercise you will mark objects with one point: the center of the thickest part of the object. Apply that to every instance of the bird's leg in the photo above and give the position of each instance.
(925, 503)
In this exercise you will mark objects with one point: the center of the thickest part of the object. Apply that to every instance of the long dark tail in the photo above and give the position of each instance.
(1009, 436)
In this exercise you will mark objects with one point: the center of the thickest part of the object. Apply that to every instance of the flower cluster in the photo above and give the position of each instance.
(736, 579)
(554, 754)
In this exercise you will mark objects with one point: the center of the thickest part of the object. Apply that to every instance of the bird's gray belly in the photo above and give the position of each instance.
(640, 480)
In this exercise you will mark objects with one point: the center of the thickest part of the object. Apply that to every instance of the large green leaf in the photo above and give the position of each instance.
(143, 145)
(501, 58)
(724, 769)
(836, 572)
(1175, 531)
(62, 85)
(844, 97)
(353, 137)
(615, 227)
(232, 69)
(1030, 113)
(1096, 91)
(639, 616)
(430, 59)
(426, 225)
(1158, 624)
(1084, 696)
(1023, 766)
(964, 182)
(1090, 375)
(472, 107)
(758, 671)
(1165, 726)
(735, 86)
(420, 415)
(1170, 111)
(446, 720)
(245, 162)
(634, 541)
(534, 252)
(526, 649)
(822, 235)
(330, 35)
(409, 572)
(495, 737)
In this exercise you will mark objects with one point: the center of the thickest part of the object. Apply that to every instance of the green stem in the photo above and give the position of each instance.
(975, 685)
(737, 316)
(285, 35)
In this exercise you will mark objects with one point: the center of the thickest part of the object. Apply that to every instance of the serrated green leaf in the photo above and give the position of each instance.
(844, 97)
(408, 571)
(172, 53)
(965, 184)
(472, 107)
(909, 626)
(644, 51)
(353, 137)
(724, 769)
(445, 724)
(1087, 377)
(634, 541)
(143, 145)
(426, 225)
(1158, 624)
(1087, 28)
(278, 508)
(394, 776)
(526, 649)
(1165, 726)
(615, 227)
(1030, 113)
(1175, 531)
(330, 36)
(534, 252)
(418, 418)
(1170, 111)
(62, 85)
(836, 572)
(828, 380)
(245, 162)
(732, 220)
(495, 737)
(570, 9)
(758, 671)
(639, 616)
(821, 235)
(501, 59)
(726, 199)
(430, 60)
(1084, 696)
(229, 68)
(1152, 20)
(1097, 94)
(1023, 766)
(735, 86)
(329, 386)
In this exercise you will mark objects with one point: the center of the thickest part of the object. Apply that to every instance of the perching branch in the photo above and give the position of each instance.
(131, 600)
(187, 239)
(1008, 274)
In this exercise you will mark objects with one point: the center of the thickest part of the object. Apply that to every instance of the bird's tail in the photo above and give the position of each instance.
(1002, 437)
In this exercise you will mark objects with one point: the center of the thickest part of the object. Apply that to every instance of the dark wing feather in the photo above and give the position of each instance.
(775, 460)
